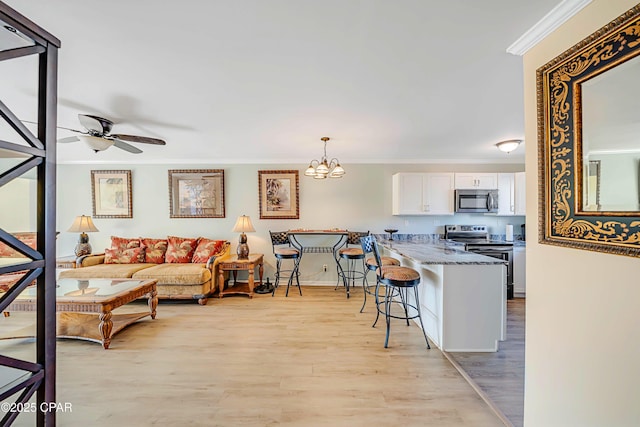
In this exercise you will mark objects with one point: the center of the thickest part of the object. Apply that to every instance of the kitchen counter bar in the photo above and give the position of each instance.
(437, 252)
(463, 296)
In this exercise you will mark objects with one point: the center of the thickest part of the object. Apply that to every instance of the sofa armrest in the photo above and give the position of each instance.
(89, 260)
(214, 260)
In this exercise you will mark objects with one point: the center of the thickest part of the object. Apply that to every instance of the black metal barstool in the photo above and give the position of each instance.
(283, 250)
(397, 281)
(372, 265)
(354, 258)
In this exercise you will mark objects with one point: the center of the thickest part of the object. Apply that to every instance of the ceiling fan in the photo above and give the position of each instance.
(98, 135)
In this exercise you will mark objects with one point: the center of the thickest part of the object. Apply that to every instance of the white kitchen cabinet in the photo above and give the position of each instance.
(476, 181)
(511, 194)
(422, 193)
(519, 269)
(520, 194)
(506, 194)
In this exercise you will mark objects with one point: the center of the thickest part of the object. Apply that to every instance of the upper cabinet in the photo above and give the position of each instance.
(423, 193)
(476, 181)
(521, 194)
(506, 194)
(511, 193)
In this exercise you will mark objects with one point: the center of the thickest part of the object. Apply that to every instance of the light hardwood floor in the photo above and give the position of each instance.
(298, 361)
(500, 376)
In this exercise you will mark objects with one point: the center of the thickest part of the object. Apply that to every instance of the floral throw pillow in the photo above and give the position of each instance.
(124, 243)
(124, 256)
(180, 249)
(154, 250)
(206, 249)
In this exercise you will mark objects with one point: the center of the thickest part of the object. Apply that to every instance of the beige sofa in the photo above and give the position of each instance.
(176, 280)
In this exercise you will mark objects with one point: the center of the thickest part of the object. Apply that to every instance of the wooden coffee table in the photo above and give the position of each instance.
(85, 306)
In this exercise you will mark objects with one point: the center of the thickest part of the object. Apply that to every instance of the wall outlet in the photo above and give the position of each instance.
(436, 222)
(406, 222)
(324, 267)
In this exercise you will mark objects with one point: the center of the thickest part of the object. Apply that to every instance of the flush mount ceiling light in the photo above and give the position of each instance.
(324, 168)
(509, 145)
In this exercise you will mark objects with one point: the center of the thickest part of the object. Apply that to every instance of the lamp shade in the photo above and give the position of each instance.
(83, 224)
(243, 225)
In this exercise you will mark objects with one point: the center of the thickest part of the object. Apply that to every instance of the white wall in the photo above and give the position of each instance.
(583, 339)
(359, 201)
(18, 195)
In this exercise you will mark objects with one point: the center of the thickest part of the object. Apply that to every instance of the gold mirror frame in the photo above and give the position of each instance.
(562, 220)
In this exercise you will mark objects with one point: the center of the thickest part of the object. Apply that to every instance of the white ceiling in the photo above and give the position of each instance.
(261, 81)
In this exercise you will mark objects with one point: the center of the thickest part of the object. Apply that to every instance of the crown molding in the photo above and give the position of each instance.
(552, 20)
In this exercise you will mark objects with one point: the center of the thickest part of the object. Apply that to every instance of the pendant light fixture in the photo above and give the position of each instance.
(323, 168)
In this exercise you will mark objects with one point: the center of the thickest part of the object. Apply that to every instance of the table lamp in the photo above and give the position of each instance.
(83, 224)
(243, 225)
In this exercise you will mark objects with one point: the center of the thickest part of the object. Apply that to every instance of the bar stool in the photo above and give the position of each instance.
(397, 282)
(353, 256)
(283, 250)
(372, 265)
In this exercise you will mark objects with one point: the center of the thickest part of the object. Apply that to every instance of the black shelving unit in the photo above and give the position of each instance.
(20, 379)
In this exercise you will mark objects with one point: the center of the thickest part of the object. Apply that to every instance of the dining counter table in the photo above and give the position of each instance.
(462, 294)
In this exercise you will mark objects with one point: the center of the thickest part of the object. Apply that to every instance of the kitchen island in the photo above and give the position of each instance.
(462, 294)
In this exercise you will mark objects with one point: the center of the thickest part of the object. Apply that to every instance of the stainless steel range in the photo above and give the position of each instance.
(476, 239)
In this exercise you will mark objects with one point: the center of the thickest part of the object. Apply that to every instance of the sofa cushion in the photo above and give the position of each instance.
(154, 250)
(124, 243)
(180, 249)
(206, 249)
(124, 256)
(104, 271)
(176, 274)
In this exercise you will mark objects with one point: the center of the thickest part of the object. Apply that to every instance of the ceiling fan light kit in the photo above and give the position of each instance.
(508, 145)
(96, 143)
(98, 137)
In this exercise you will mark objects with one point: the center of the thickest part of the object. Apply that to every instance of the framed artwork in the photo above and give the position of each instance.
(278, 194)
(111, 194)
(196, 193)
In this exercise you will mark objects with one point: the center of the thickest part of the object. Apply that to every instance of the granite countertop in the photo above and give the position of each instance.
(437, 251)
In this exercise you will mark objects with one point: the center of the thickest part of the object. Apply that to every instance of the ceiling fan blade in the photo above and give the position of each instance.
(69, 139)
(95, 123)
(59, 127)
(142, 139)
(127, 147)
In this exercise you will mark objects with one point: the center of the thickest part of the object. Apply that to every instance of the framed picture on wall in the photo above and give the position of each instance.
(196, 193)
(111, 194)
(278, 194)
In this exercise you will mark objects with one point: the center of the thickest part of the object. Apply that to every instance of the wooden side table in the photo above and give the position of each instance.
(66, 261)
(234, 264)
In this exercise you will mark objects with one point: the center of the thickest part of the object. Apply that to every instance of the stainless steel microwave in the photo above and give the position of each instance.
(482, 201)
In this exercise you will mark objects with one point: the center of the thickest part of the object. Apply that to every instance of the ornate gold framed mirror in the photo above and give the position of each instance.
(589, 141)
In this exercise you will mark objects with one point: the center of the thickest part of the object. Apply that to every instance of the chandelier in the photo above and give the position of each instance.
(324, 168)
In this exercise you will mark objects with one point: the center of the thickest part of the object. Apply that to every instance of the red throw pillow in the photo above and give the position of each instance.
(206, 249)
(154, 250)
(180, 249)
(124, 243)
(124, 256)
